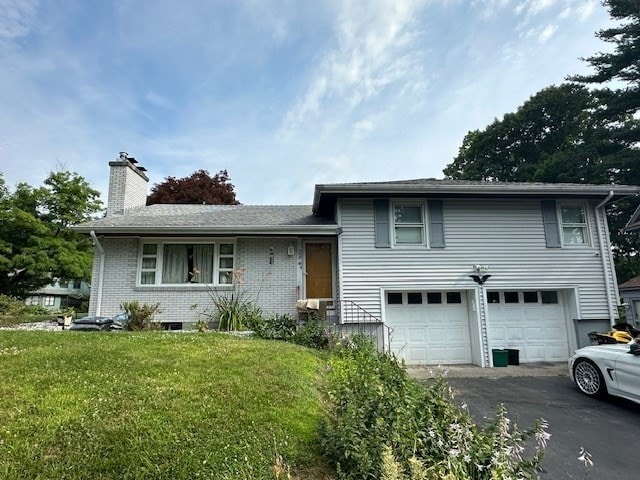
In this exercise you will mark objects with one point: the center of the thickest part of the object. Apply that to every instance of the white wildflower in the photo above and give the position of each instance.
(585, 458)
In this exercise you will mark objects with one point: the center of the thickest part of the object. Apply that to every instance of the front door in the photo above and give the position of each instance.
(319, 270)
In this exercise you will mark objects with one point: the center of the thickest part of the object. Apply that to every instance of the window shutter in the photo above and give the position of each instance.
(382, 232)
(551, 227)
(436, 224)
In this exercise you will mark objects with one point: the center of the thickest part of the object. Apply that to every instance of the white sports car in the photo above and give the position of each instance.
(598, 370)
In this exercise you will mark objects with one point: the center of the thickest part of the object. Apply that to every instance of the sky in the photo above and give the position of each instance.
(283, 94)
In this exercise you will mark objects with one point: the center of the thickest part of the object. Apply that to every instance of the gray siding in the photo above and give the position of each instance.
(507, 235)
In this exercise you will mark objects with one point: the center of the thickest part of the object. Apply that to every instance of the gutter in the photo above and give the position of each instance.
(97, 243)
(604, 255)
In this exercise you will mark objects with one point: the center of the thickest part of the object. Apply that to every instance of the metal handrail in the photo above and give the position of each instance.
(350, 313)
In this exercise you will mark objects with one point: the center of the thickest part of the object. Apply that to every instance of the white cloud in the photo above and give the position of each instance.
(547, 33)
(373, 50)
(16, 17)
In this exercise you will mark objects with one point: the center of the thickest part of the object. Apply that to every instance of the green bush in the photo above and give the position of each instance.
(274, 327)
(14, 307)
(140, 316)
(313, 334)
(382, 424)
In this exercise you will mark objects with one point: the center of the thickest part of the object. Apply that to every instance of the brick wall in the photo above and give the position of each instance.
(127, 187)
(268, 277)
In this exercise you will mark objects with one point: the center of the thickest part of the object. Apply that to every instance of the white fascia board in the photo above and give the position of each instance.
(208, 230)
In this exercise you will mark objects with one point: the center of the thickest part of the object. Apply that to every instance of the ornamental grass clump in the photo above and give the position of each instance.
(382, 424)
(140, 316)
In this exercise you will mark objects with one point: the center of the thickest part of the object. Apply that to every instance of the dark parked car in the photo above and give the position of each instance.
(100, 323)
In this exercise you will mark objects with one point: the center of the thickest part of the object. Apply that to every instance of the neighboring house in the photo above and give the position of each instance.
(449, 270)
(634, 222)
(630, 293)
(59, 295)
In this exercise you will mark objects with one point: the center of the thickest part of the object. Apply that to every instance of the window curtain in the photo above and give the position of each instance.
(203, 261)
(176, 264)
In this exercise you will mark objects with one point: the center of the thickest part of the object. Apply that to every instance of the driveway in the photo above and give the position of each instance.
(608, 429)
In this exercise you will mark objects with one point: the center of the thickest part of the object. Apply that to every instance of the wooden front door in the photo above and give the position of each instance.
(319, 274)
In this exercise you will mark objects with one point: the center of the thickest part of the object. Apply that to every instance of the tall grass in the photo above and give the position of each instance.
(155, 406)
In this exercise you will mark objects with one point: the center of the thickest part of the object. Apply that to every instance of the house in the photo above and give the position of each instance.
(59, 295)
(447, 270)
(630, 293)
(633, 225)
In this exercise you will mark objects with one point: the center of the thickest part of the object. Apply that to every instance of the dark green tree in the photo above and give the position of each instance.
(552, 137)
(621, 103)
(36, 243)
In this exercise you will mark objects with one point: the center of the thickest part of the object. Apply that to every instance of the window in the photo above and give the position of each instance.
(49, 301)
(493, 297)
(454, 297)
(179, 263)
(414, 298)
(434, 297)
(550, 296)
(408, 222)
(530, 297)
(574, 225)
(394, 298)
(511, 297)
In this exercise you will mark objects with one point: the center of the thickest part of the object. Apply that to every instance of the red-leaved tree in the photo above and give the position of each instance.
(198, 188)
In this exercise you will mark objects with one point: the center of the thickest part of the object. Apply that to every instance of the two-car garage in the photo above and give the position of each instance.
(442, 327)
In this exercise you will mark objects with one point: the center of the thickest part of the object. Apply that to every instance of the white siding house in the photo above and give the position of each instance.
(445, 271)
(540, 255)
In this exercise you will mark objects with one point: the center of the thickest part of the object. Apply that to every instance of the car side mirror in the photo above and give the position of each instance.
(634, 349)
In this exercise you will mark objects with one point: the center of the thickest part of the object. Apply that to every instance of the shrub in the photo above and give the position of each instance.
(230, 310)
(14, 307)
(382, 424)
(140, 316)
(314, 334)
(274, 327)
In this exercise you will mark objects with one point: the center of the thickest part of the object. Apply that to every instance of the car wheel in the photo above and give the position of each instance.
(589, 378)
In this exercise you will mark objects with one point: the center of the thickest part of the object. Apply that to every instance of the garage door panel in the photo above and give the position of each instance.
(430, 333)
(538, 330)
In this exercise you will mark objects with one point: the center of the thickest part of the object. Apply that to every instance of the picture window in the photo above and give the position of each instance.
(180, 263)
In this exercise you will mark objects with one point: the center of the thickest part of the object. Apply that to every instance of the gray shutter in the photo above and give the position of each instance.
(551, 227)
(436, 224)
(383, 234)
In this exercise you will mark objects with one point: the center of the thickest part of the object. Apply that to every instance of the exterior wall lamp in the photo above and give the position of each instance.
(479, 274)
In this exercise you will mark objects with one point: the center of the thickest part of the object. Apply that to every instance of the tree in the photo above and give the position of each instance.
(36, 243)
(198, 188)
(552, 137)
(623, 65)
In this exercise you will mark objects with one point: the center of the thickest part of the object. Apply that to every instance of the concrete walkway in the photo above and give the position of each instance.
(543, 369)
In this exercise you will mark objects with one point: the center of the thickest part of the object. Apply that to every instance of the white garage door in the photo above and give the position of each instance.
(429, 328)
(533, 322)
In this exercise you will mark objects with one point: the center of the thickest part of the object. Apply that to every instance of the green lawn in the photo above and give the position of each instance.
(156, 405)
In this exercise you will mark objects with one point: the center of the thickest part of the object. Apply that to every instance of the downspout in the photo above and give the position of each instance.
(96, 242)
(604, 255)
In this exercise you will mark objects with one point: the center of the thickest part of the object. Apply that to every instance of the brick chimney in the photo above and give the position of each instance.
(127, 185)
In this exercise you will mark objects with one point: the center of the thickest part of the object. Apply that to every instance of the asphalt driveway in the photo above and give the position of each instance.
(608, 429)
